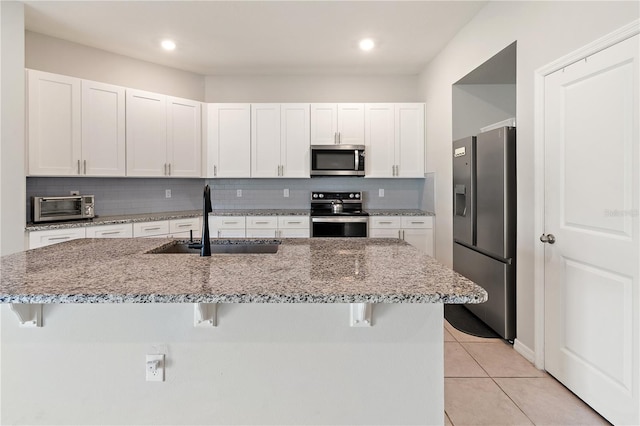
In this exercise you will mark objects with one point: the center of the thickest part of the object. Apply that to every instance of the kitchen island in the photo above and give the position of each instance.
(283, 350)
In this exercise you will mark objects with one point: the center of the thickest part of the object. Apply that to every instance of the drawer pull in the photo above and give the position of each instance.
(157, 228)
(111, 233)
(384, 223)
(184, 225)
(261, 223)
(294, 223)
(58, 238)
(417, 223)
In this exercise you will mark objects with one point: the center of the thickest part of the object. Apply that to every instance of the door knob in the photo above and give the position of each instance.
(549, 238)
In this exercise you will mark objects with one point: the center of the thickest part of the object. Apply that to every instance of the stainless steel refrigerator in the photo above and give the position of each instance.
(484, 223)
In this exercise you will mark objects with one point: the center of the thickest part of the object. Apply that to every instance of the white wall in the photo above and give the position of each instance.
(478, 105)
(59, 56)
(264, 364)
(12, 151)
(544, 31)
(312, 88)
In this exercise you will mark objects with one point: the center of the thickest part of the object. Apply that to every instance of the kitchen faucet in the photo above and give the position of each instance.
(205, 243)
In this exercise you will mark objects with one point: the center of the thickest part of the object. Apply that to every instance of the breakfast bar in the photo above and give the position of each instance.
(321, 331)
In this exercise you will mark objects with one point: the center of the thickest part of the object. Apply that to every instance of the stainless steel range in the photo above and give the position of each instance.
(338, 214)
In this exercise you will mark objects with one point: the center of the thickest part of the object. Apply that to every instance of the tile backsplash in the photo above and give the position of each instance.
(117, 196)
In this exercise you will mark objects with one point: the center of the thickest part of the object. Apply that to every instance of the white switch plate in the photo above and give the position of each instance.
(155, 374)
(74, 192)
(238, 192)
(381, 192)
(286, 193)
(167, 193)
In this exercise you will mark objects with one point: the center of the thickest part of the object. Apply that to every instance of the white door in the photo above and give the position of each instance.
(410, 140)
(380, 137)
(229, 140)
(103, 129)
(324, 124)
(53, 124)
(351, 124)
(146, 134)
(295, 137)
(265, 140)
(592, 192)
(184, 138)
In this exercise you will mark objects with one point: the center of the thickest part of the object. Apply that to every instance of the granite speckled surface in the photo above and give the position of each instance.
(314, 270)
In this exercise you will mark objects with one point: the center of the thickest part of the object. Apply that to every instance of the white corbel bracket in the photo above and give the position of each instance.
(361, 314)
(205, 314)
(29, 315)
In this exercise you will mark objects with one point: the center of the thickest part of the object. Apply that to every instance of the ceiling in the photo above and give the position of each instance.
(261, 37)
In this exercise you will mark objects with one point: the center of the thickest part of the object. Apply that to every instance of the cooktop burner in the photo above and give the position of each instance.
(337, 204)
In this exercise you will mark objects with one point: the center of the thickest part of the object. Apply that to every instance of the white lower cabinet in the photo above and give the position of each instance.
(416, 230)
(124, 230)
(262, 226)
(184, 228)
(54, 236)
(293, 227)
(156, 229)
(227, 226)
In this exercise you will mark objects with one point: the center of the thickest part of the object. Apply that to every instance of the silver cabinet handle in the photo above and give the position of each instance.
(184, 225)
(169, 169)
(215, 170)
(78, 166)
(151, 229)
(263, 222)
(549, 238)
(85, 167)
(110, 233)
(294, 223)
(58, 238)
(384, 223)
(218, 233)
(335, 138)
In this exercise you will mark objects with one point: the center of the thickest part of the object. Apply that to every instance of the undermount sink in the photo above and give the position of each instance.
(221, 247)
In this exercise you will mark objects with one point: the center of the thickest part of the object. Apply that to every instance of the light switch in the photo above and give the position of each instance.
(238, 192)
(381, 192)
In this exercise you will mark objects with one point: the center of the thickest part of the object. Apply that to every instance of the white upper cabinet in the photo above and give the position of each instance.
(337, 124)
(103, 129)
(280, 140)
(184, 138)
(228, 140)
(54, 130)
(146, 134)
(164, 136)
(395, 140)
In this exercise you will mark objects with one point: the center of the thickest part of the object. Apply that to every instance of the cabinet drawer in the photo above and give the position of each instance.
(262, 222)
(385, 222)
(184, 225)
(385, 233)
(151, 229)
(47, 238)
(293, 222)
(227, 222)
(110, 231)
(261, 233)
(294, 233)
(417, 222)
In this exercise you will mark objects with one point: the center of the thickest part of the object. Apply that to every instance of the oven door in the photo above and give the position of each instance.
(328, 226)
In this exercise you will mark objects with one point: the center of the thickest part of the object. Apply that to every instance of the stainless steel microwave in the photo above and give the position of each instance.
(337, 160)
(72, 207)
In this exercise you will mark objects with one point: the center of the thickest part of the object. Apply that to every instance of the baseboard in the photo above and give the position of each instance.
(525, 351)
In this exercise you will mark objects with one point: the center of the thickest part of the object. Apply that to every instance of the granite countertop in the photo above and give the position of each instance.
(150, 217)
(314, 270)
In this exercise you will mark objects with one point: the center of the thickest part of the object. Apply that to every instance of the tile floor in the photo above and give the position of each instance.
(488, 383)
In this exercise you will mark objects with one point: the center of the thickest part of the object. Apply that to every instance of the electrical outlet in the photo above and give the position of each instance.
(286, 193)
(167, 193)
(155, 368)
(74, 192)
(238, 193)
(381, 192)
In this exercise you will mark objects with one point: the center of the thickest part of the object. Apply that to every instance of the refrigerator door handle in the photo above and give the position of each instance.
(460, 200)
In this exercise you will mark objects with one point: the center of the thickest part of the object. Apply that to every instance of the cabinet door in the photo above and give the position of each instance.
(295, 140)
(324, 124)
(103, 129)
(380, 140)
(124, 230)
(351, 124)
(422, 239)
(410, 140)
(47, 238)
(384, 233)
(184, 228)
(184, 138)
(53, 124)
(229, 140)
(151, 229)
(265, 140)
(146, 134)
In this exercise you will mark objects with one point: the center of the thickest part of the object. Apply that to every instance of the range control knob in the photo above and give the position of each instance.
(315, 195)
(357, 195)
(351, 195)
(321, 195)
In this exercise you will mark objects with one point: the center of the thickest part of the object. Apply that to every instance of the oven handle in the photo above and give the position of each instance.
(339, 219)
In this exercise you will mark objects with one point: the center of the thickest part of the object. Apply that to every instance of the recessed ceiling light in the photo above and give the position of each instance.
(367, 44)
(168, 44)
